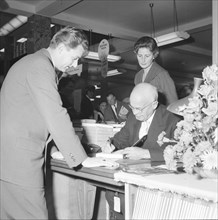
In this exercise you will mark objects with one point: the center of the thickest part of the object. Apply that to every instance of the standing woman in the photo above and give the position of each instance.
(146, 50)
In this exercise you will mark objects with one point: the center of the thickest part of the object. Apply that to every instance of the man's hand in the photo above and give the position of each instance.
(108, 148)
(57, 155)
(136, 153)
(99, 162)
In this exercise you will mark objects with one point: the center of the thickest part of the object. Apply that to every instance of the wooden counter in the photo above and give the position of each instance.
(100, 176)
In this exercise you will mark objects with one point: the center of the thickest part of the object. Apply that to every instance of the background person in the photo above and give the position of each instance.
(99, 112)
(116, 110)
(148, 118)
(31, 109)
(146, 51)
(86, 106)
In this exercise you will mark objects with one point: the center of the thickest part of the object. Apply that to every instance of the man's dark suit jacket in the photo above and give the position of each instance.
(163, 120)
(86, 108)
(109, 114)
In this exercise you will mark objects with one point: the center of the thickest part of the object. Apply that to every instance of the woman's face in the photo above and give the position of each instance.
(103, 106)
(145, 57)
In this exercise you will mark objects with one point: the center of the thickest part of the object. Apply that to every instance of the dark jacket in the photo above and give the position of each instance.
(163, 120)
(160, 78)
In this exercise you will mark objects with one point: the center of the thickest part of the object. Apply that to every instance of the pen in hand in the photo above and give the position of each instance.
(140, 142)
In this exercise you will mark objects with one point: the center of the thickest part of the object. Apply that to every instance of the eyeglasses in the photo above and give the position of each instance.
(140, 109)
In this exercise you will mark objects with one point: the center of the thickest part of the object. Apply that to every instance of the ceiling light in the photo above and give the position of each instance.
(2, 50)
(94, 56)
(113, 72)
(171, 38)
(22, 40)
(52, 25)
(12, 25)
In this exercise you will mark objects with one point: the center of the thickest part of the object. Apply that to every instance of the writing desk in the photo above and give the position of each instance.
(79, 187)
(77, 194)
(98, 176)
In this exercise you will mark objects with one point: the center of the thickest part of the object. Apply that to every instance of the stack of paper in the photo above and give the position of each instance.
(97, 133)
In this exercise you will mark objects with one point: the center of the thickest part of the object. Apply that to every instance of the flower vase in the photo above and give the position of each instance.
(173, 107)
(205, 173)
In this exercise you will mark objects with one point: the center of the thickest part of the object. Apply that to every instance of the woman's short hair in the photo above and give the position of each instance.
(71, 37)
(147, 42)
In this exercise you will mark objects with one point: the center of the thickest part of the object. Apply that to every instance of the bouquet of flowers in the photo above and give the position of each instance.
(195, 141)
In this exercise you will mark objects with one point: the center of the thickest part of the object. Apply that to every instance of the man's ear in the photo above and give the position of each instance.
(61, 47)
(155, 104)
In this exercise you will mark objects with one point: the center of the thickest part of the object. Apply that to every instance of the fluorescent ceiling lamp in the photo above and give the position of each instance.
(94, 56)
(22, 40)
(2, 50)
(113, 72)
(171, 38)
(13, 24)
(98, 96)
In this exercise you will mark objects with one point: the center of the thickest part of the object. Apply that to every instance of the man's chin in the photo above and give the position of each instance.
(140, 118)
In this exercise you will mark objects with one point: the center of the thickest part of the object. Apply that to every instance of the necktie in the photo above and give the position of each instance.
(115, 110)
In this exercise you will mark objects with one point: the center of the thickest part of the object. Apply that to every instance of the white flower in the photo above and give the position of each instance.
(160, 138)
(203, 146)
(209, 159)
(215, 136)
(169, 156)
(210, 73)
(196, 135)
(189, 160)
(211, 109)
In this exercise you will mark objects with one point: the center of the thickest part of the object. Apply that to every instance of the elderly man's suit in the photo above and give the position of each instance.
(163, 120)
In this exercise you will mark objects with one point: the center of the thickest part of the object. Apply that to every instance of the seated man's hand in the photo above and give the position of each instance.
(108, 148)
(99, 162)
(136, 153)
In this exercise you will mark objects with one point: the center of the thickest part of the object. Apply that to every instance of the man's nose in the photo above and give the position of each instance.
(144, 58)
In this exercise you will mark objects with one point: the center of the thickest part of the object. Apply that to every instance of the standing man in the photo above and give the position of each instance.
(147, 120)
(86, 106)
(116, 110)
(31, 109)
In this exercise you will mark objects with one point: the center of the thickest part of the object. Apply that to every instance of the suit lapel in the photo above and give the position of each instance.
(136, 129)
(156, 127)
(152, 73)
(115, 117)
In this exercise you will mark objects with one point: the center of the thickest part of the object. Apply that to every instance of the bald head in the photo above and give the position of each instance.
(143, 93)
(143, 101)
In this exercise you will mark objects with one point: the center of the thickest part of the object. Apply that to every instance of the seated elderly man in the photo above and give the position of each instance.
(147, 120)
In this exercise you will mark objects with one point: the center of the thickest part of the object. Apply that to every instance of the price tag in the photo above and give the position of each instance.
(116, 203)
(103, 50)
